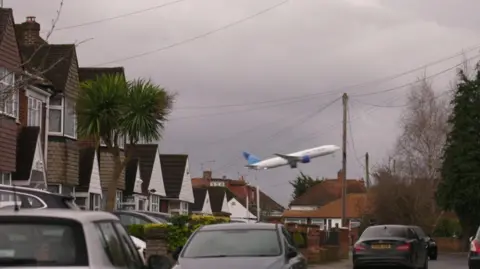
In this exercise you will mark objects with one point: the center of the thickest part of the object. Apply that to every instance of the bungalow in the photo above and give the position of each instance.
(202, 205)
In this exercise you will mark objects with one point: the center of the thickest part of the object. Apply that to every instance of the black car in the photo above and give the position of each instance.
(239, 246)
(474, 253)
(431, 245)
(390, 245)
(33, 198)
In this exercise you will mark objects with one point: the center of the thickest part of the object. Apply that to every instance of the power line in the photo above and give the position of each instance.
(232, 24)
(118, 16)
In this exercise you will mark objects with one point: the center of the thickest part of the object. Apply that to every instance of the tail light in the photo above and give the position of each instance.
(404, 247)
(359, 247)
(475, 246)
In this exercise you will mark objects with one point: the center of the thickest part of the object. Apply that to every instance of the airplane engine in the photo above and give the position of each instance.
(305, 159)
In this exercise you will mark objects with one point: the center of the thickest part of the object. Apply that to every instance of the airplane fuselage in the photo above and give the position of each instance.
(279, 161)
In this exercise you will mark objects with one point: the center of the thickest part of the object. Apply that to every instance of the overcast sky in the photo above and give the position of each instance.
(295, 50)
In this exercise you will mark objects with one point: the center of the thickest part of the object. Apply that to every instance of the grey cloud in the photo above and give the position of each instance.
(300, 48)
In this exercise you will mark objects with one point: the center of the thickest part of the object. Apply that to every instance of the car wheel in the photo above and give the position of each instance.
(433, 257)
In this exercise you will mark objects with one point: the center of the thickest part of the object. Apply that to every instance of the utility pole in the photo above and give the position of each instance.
(367, 171)
(344, 161)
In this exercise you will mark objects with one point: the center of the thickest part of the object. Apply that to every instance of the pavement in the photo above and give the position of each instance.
(444, 261)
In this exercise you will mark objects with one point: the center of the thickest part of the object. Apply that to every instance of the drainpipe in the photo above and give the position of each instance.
(47, 127)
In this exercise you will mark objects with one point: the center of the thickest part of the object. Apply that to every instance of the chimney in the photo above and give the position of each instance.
(30, 30)
(340, 175)
(207, 175)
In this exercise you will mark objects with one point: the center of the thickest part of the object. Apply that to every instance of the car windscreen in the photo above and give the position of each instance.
(41, 241)
(384, 231)
(233, 243)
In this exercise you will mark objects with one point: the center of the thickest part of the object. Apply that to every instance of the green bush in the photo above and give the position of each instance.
(137, 230)
(180, 229)
(448, 228)
(299, 240)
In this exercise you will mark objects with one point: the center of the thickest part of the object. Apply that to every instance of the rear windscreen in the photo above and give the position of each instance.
(384, 231)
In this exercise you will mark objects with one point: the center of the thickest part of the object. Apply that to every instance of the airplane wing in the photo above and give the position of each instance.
(288, 157)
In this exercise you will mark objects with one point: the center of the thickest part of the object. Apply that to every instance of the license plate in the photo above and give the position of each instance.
(381, 246)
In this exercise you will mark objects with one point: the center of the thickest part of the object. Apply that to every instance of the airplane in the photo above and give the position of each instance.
(292, 159)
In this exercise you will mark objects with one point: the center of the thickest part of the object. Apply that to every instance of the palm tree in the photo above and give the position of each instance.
(110, 108)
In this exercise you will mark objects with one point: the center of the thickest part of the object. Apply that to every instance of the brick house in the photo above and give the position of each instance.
(10, 69)
(59, 65)
(106, 163)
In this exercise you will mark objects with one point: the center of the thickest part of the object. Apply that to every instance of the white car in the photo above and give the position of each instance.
(63, 238)
(140, 245)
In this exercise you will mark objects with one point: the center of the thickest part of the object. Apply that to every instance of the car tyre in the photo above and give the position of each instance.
(433, 257)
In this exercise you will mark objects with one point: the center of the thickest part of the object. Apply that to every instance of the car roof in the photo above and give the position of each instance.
(239, 226)
(81, 216)
(33, 190)
(388, 226)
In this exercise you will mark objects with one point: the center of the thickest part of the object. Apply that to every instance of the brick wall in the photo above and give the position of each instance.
(448, 244)
(8, 144)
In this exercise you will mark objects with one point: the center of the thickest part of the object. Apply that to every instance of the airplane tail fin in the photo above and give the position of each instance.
(251, 159)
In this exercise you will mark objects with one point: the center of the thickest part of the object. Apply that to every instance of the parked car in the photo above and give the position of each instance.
(158, 215)
(141, 246)
(135, 217)
(57, 238)
(33, 198)
(430, 244)
(474, 253)
(240, 245)
(390, 245)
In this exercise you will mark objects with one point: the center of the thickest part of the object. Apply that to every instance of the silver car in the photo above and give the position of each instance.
(66, 238)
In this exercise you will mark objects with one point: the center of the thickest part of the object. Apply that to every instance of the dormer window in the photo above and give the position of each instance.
(8, 93)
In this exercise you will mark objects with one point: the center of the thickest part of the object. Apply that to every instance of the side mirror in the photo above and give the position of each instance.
(291, 253)
(471, 238)
(176, 253)
(159, 262)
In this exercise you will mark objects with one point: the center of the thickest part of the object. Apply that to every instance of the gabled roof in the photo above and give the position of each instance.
(216, 195)
(51, 60)
(6, 14)
(91, 73)
(130, 176)
(146, 155)
(26, 145)
(199, 194)
(85, 167)
(327, 191)
(355, 208)
(173, 169)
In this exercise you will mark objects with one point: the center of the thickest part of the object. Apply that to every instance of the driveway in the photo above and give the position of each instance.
(445, 261)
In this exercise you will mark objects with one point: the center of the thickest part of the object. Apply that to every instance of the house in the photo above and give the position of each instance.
(219, 200)
(10, 69)
(178, 184)
(88, 194)
(330, 214)
(106, 162)
(59, 65)
(320, 195)
(242, 194)
(149, 171)
(202, 205)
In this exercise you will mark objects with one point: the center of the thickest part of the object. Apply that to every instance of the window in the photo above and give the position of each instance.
(319, 222)
(43, 242)
(95, 201)
(5, 179)
(56, 115)
(155, 203)
(296, 220)
(8, 199)
(70, 119)
(184, 208)
(384, 231)
(111, 244)
(118, 199)
(234, 243)
(8, 93)
(81, 202)
(141, 204)
(55, 188)
(34, 112)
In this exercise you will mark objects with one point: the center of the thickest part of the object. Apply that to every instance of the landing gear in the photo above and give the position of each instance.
(293, 165)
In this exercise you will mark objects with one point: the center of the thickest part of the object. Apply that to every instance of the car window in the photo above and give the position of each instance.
(127, 219)
(111, 243)
(385, 231)
(288, 237)
(42, 242)
(132, 256)
(233, 243)
(23, 200)
(419, 232)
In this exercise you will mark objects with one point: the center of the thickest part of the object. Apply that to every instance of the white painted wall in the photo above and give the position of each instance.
(38, 159)
(95, 186)
(156, 181)
(238, 211)
(207, 206)
(186, 192)
(303, 207)
(137, 187)
(225, 207)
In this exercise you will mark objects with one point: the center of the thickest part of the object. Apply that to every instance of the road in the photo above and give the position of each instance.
(445, 261)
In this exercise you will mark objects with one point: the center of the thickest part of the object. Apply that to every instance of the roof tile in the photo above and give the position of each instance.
(355, 206)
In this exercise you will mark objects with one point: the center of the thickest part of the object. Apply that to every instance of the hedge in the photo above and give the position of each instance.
(179, 230)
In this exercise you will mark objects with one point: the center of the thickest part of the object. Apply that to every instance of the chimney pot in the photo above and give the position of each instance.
(340, 175)
(207, 175)
(31, 18)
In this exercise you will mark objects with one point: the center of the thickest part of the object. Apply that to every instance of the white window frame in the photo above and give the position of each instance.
(56, 108)
(183, 208)
(296, 220)
(6, 179)
(155, 203)
(118, 199)
(318, 221)
(58, 188)
(68, 116)
(34, 114)
(7, 79)
(94, 201)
